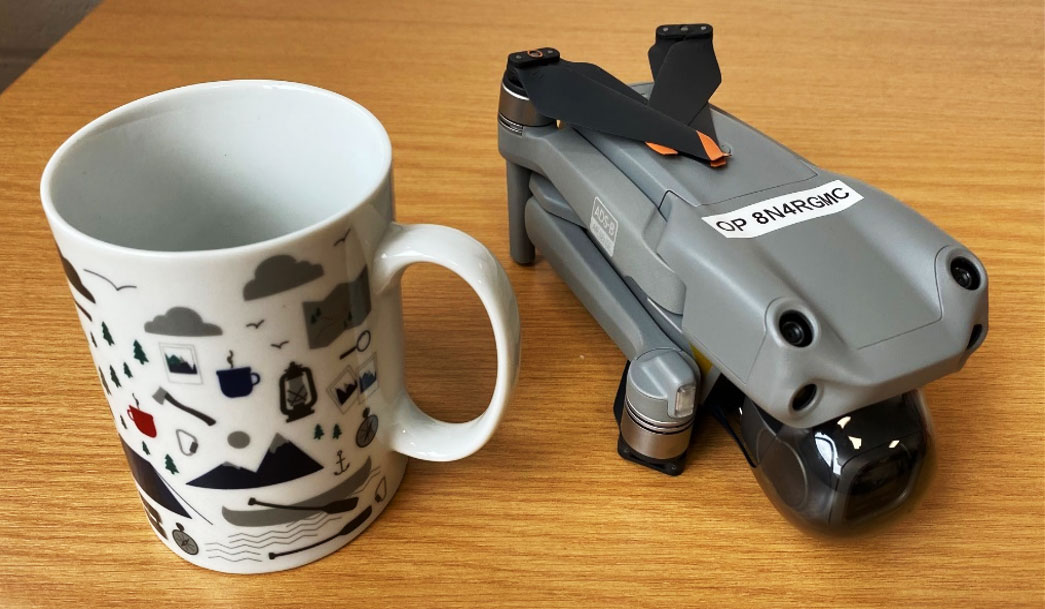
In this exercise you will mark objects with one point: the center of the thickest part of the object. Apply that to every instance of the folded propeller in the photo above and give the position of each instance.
(675, 119)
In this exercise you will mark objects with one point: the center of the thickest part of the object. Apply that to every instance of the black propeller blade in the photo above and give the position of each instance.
(661, 45)
(685, 72)
(604, 78)
(587, 96)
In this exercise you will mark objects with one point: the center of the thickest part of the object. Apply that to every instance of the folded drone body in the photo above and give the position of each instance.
(801, 308)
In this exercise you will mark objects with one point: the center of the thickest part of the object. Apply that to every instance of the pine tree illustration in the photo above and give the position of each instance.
(139, 354)
(115, 379)
(93, 342)
(106, 335)
(337, 432)
(169, 465)
(145, 448)
(318, 433)
(122, 422)
(127, 371)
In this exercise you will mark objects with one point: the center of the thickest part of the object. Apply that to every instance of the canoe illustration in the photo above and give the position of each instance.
(336, 499)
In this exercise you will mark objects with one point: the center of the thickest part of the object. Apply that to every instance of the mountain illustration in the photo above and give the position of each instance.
(345, 392)
(151, 483)
(283, 462)
(178, 365)
(367, 379)
(346, 306)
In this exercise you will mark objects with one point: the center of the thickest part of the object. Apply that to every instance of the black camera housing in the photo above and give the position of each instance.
(843, 476)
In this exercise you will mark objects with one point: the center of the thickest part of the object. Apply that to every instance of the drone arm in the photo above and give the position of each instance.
(519, 244)
(576, 259)
(661, 380)
(581, 176)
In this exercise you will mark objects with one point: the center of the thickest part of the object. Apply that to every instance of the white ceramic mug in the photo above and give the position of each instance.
(235, 264)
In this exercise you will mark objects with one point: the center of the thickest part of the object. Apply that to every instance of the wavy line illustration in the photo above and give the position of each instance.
(305, 522)
(226, 548)
(348, 529)
(297, 523)
(304, 528)
(250, 558)
(226, 552)
(277, 542)
(292, 533)
(285, 528)
(277, 538)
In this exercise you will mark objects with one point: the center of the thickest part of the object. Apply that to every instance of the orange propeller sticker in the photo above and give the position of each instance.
(716, 158)
(662, 149)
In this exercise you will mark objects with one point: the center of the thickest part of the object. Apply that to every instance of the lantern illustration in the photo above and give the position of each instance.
(297, 392)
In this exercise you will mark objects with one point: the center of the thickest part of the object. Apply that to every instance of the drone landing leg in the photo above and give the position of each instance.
(518, 193)
(671, 466)
(655, 403)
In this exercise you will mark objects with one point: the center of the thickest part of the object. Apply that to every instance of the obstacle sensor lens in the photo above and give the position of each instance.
(795, 329)
(965, 273)
(803, 397)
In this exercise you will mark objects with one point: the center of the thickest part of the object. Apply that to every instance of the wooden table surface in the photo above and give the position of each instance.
(938, 103)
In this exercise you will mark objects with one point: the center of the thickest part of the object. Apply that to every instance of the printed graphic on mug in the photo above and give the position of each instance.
(237, 382)
(185, 428)
(345, 389)
(142, 420)
(277, 528)
(180, 361)
(346, 306)
(297, 392)
(235, 310)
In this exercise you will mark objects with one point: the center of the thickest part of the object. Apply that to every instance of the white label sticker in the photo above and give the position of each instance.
(603, 226)
(769, 215)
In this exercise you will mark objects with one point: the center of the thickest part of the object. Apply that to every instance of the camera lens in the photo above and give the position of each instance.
(965, 274)
(795, 329)
(878, 485)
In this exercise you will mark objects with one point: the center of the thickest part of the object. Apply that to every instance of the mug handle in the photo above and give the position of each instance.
(255, 378)
(412, 432)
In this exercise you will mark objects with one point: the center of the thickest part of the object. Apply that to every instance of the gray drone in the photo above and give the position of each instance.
(800, 308)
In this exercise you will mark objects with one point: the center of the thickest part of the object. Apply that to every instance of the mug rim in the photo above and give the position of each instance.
(58, 222)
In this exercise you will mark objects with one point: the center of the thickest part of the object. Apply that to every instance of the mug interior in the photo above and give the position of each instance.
(217, 165)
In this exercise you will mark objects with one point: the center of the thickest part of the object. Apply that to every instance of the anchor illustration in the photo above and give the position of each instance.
(341, 463)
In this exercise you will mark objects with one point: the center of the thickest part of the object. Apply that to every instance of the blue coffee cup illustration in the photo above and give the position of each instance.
(237, 382)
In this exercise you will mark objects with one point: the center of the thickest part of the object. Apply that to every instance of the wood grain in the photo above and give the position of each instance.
(28, 29)
(936, 102)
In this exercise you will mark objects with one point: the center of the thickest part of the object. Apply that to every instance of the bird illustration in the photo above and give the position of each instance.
(113, 284)
(256, 324)
(280, 345)
(343, 237)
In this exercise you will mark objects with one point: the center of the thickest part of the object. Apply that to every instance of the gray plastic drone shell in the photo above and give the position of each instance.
(886, 315)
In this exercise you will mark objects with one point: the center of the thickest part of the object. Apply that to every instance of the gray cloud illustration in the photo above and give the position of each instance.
(279, 274)
(181, 321)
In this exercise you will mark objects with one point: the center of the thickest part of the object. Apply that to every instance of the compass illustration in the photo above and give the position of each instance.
(184, 541)
(367, 429)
